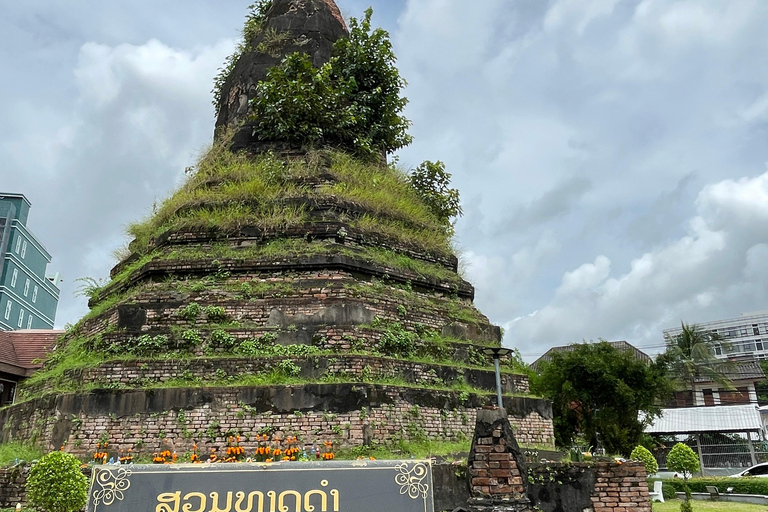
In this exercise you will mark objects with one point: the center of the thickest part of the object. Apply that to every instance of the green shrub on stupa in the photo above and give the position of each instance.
(352, 102)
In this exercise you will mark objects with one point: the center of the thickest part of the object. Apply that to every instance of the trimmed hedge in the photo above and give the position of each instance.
(743, 485)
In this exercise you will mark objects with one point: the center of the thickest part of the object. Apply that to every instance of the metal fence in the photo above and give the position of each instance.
(717, 451)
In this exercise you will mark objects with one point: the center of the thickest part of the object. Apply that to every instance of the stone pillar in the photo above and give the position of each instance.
(496, 467)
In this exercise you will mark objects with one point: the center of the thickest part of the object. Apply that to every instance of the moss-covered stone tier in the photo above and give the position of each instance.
(302, 294)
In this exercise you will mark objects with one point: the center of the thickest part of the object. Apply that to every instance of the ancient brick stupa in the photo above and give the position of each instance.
(292, 293)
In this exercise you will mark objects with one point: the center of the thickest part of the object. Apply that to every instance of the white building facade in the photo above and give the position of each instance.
(747, 336)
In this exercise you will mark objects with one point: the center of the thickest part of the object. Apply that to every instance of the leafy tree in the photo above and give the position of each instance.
(641, 453)
(690, 355)
(366, 64)
(597, 391)
(681, 459)
(56, 484)
(352, 102)
(432, 184)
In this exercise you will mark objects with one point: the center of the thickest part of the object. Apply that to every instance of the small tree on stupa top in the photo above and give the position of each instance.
(352, 102)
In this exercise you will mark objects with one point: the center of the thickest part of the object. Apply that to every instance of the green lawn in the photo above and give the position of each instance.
(709, 506)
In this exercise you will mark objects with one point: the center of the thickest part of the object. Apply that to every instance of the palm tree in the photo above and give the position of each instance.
(690, 357)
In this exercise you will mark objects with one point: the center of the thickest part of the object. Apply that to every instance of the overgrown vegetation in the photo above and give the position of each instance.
(287, 248)
(418, 449)
(58, 377)
(228, 191)
(352, 102)
(13, 453)
(431, 182)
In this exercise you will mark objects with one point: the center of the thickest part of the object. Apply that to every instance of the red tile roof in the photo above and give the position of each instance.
(22, 349)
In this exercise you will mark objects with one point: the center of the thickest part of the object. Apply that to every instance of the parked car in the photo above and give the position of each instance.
(756, 470)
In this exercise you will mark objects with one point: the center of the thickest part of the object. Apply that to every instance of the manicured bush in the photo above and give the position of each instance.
(682, 459)
(640, 453)
(742, 485)
(56, 484)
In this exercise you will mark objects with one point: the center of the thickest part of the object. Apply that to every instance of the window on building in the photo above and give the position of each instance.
(759, 344)
(24, 249)
(755, 330)
(8, 307)
(718, 350)
(26, 287)
(21, 318)
(14, 277)
(18, 245)
(34, 294)
(29, 321)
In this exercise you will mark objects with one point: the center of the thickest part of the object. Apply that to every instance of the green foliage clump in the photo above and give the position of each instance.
(682, 460)
(367, 63)
(431, 182)
(352, 102)
(215, 313)
(222, 339)
(598, 390)
(668, 491)
(395, 340)
(300, 104)
(89, 287)
(641, 453)
(143, 345)
(56, 484)
(190, 311)
(289, 368)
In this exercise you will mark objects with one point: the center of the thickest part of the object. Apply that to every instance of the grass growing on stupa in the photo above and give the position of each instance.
(229, 190)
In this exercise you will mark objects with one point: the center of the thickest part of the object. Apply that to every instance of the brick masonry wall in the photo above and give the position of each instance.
(589, 487)
(621, 488)
(311, 293)
(144, 372)
(211, 414)
(12, 482)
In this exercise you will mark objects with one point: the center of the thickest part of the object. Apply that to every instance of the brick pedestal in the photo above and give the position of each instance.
(496, 467)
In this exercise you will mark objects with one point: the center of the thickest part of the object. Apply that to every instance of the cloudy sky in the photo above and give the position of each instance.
(611, 154)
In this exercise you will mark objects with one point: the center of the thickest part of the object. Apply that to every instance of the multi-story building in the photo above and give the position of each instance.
(746, 336)
(28, 297)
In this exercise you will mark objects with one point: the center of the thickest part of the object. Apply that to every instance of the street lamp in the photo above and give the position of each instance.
(497, 352)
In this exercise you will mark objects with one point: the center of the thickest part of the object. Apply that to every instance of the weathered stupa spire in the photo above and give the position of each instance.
(288, 26)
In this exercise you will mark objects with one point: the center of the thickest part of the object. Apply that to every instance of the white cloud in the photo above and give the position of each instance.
(141, 114)
(723, 251)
